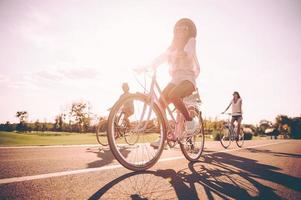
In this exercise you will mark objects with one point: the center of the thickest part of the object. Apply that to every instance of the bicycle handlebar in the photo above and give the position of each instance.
(144, 69)
(222, 113)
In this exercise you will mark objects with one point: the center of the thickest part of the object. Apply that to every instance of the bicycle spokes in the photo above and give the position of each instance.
(137, 131)
(192, 145)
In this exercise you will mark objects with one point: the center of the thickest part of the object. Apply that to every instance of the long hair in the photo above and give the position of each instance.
(179, 43)
(237, 94)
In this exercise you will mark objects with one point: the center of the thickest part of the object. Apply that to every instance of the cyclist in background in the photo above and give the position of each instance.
(236, 103)
(128, 108)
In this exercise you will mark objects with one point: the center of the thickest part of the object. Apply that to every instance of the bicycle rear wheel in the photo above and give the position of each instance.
(140, 155)
(225, 137)
(192, 147)
(101, 135)
(240, 138)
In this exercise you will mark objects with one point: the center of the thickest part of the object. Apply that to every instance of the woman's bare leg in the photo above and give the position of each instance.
(238, 125)
(176, 95)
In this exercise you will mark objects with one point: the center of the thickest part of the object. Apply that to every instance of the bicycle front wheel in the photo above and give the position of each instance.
(192, 147)
(145, 124)
(240, 138)
(225, 137)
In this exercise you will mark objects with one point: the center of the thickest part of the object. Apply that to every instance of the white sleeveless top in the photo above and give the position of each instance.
(186, 68)
(236, 107)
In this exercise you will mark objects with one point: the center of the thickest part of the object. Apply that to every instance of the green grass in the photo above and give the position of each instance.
(45, 138)
(58, 138)
(64, 138)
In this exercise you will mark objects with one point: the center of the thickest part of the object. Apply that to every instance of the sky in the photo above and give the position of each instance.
(53, 53)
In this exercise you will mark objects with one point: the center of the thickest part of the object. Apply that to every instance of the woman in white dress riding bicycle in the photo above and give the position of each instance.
(183, 69)
(236, 103)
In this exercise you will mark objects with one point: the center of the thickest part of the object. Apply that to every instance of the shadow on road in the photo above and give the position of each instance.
(105, 155)
(273, 153)
(218, 175)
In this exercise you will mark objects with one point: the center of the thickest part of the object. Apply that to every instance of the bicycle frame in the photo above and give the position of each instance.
(155, 100)
(231, 128)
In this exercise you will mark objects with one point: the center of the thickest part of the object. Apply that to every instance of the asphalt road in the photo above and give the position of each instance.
(262, 169)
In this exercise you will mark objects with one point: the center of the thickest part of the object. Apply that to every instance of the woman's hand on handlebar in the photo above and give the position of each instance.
(142, 69)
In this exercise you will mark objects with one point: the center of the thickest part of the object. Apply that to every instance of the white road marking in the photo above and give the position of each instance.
(80, 171)
(52, 146)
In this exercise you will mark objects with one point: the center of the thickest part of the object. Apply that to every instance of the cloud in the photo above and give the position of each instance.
(16, 82)
(62, 73)
(49, 75)
(79, 73)
(79, 77)
(21, 84)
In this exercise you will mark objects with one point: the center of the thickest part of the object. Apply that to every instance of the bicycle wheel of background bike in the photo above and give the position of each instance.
(240, 139)
(192, 147)
(141, 155)
(131, 138)
(123, 130)
(225, 137)
(101, 136)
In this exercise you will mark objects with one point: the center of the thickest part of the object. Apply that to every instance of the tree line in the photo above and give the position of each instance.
(289, 127)
(79, 119)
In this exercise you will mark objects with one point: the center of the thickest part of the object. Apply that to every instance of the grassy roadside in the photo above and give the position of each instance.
(46, 138)
(60, 138)
(57, 138)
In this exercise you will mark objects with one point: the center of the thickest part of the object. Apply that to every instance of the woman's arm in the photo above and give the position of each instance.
(160, 59)
(240, 105)
(196, 66)
(228, 107)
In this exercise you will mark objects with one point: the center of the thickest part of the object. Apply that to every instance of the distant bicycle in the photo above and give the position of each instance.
(101, 133)
(122, 127)
(228, 133)
(150, 124)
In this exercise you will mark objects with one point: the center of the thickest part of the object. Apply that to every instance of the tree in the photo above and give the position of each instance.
(37, 126)
(8, 126)
(283, 122)
(80, 112)
(59, 122)
(23, 116)
(296, 128)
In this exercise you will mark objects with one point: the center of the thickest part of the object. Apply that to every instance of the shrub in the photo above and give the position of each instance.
(217, 136)
(248, 136)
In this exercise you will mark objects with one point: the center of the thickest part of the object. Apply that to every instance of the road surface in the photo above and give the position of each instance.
(262, 169)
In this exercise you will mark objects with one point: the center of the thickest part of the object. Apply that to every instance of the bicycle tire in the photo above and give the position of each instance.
(118, 150)
(123, 131)
(225, 137)
(240, 138)
(101, 138)
(129, 141)
(198, 138)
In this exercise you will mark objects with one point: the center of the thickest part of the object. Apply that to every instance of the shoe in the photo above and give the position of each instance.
(156, 144)
(191, 126)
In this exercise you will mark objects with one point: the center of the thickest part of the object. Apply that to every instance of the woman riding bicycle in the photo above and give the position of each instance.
(183, 68)
(236, 103)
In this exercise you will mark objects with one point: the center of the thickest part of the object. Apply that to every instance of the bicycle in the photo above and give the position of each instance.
(228, 133)
(150, 123)
(121, 131)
